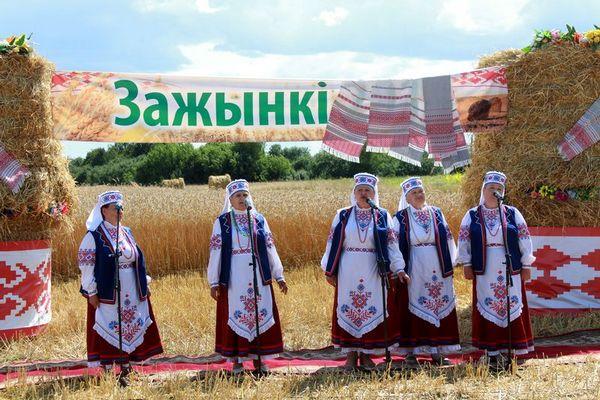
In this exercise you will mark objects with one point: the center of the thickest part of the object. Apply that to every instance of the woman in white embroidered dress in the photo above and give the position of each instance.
(231, 278)
(429, 252)
(350, 265)
(481, 252)
(140, 337)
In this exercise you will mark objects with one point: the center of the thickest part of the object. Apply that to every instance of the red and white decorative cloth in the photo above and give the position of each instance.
(481, 99)
(346, 131)
(566, 273)
(25, 270)
(412, 153)
(12, 172)
(389, 117)
(583, 135)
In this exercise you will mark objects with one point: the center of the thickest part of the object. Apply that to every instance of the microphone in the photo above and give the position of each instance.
(497, 195)
(248, 203)
(371, 203)
(119, 207)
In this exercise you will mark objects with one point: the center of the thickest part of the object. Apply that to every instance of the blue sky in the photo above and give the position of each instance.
(365, 39)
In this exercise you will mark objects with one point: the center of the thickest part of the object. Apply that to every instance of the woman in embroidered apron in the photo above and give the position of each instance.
(481, 252)
(350, 265)
(429, 254)
(231, 278)
(140, 335)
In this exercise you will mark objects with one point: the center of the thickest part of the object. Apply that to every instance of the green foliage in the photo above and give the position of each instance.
(147, 164)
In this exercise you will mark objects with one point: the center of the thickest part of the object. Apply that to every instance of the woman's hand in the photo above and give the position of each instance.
(94, 300)
(403, 277)
(283, 286)
(525, 274)
(214, 293)
(468, 272)
(332, 280)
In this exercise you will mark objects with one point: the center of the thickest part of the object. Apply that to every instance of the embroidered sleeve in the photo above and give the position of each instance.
(215, 242)
(391, 236)
(86, 258)
(214, 258)
(330, 236)
(525, 244)
(449, 234)
(325, 257)
(523, 231)
(396, 259)
(274, 260)
(270, 240)
(450, 240)
(464, 241)
(464, 234)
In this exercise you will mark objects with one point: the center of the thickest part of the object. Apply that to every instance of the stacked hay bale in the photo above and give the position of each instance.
(177, 183)
(219, 181)
(41, 209)
(549, 90)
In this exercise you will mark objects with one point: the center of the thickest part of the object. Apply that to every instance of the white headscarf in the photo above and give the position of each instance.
(407, 185)
(232, 188)
(95, 217)
(492, 177)
(367, 179)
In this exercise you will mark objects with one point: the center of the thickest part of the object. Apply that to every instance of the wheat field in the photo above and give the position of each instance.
(173, 228)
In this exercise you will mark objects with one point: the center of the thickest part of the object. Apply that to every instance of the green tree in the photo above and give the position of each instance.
(275, 168)
(164, 161)
(248, 156)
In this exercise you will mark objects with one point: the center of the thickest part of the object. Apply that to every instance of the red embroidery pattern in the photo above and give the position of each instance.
(330, 236)
(363, 218)
(86, 257)
(236, 252)
(436, 301)
(131, 321)
(357, 312)
(359, 249)
(247, 316)
(215, 242)
(269, 239)
(464, 234)
(392, 237)
(498, 303)
(523, 231)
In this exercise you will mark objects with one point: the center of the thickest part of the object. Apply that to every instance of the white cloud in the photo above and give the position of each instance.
(206, 59)
(176, 6)
(332, 17)
(482, 17)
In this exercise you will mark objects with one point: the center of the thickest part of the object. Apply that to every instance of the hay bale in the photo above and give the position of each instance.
(549, 90)
(177, 183)
(503, 58)
(218, 181)
(42, 208)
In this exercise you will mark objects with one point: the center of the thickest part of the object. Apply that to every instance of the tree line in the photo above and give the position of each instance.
(150, 163)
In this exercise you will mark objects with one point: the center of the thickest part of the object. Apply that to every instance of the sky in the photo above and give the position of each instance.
(315, 39)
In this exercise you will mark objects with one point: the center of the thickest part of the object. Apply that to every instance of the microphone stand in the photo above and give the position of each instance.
(509, 280)
(385, 282)
(116, 256)
(255, 278)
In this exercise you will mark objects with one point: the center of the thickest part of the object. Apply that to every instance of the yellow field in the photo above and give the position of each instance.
(173, 227)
